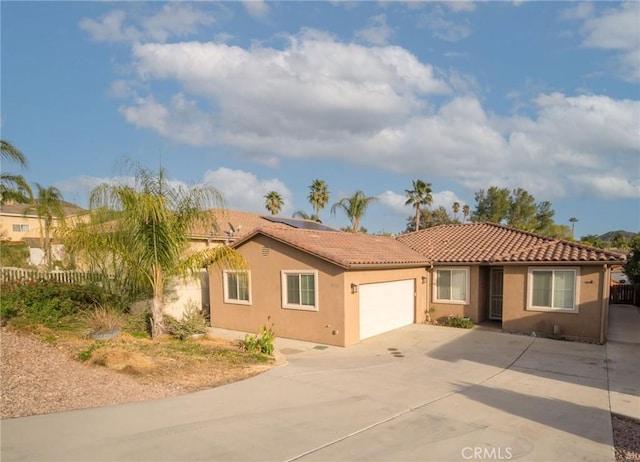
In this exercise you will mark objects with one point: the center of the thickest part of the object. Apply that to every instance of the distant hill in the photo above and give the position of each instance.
(606, 237)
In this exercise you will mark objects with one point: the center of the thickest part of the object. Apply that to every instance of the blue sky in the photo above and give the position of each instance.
(257, 96)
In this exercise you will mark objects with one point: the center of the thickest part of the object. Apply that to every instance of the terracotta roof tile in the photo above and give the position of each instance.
(491, 243)
(347, 250)
(68, 208)
(235, 223)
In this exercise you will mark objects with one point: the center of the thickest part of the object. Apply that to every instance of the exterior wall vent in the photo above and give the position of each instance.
(265, 251)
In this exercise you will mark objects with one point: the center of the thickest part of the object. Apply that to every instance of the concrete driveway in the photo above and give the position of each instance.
(418, 393)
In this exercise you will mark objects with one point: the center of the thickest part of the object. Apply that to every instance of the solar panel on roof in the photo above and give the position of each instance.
(299, 224)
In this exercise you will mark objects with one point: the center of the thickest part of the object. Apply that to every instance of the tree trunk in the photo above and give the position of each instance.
(417, 218)
(157, 318)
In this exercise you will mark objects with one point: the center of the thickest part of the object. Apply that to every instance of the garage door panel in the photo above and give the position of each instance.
(386, 306)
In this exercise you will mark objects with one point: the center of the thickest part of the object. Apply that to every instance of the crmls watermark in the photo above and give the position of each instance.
(482, 453)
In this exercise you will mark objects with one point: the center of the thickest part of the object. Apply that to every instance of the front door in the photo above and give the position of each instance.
(495, 294)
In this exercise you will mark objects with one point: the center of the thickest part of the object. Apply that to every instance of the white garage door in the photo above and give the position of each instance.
(385, 306)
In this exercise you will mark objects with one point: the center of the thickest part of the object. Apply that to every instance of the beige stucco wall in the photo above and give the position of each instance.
(266, 298)
(337, 320)
(477, 297)
(352, 301)
(586, 323)
(6, 227)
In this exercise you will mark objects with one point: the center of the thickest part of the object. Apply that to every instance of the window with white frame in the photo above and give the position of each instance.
(300, 290)
(237, 287)
(20, 228)
(451, 285)
(553, 289)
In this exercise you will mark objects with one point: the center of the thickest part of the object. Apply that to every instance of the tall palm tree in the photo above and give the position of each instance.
(418, 196)
(466, 210)
(573, 221)
(13, 187)
(355, 207)
(48, 206)
(273, 202)
(149, 239)
(456, 209)
(318, 196)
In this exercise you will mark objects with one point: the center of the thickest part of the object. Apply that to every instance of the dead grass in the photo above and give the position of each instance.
(191, 364)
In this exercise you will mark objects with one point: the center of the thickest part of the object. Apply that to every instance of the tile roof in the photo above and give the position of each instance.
(347, 250)
(236, 224)
(68, 208)
(491, 243)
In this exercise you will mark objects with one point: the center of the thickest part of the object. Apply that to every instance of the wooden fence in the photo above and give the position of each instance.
(625, 294)
(32, 275)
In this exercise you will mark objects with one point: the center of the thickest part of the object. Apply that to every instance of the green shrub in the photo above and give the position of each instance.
(261, 342)
(457, 321)
(14, 254)
(52, 304)
(192, 322)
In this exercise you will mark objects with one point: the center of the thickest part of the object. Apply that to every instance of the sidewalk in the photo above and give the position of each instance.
(623, 357)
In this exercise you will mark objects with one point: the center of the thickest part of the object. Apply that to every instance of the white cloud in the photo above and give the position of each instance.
(319, 98)
(174, 19)
(109, 28)
(377, 32)
(446, 29)
(245, 191)
(578, 10)
(256, 8)
(396, 203)
(460, 5)
(613, 29)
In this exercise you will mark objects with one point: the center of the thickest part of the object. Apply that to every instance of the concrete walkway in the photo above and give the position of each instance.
(422, 392)
(623, 360)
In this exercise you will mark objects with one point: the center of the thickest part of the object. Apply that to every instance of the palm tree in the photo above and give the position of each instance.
(466, 210)
(13, 187)
(573, 221)
(318, 196)
(273, 202)
(456, 209)
(418, 196)
(149, 239)
(47, 206)
(305, 216)
(355, 207)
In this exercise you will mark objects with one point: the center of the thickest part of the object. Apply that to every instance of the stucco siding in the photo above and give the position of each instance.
(472, 310)
(266, 258)
(585, 322)
(352, 301)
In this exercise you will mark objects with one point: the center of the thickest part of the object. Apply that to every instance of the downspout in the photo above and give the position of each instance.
(604, 309)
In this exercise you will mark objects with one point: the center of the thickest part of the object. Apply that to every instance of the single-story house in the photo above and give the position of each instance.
(322, 286)
(529, 283)
(339, 288)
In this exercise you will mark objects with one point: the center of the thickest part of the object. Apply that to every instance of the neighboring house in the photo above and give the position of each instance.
(18, 223)
(339, 288)
(530, 283)
(323, 286)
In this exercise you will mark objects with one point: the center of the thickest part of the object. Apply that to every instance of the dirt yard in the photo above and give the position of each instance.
(43, 377)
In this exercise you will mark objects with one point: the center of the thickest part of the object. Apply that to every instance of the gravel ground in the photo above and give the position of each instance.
(37, 378)
(626, 438)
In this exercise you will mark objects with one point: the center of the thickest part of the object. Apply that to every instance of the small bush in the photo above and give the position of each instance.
(457, 321)
(261, 342)
(104, 319)
(193, 322)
